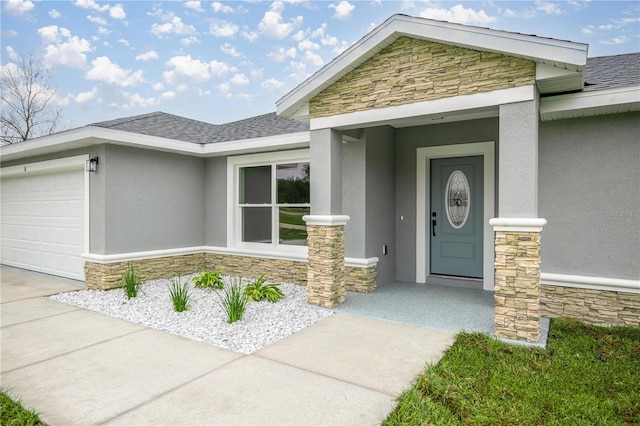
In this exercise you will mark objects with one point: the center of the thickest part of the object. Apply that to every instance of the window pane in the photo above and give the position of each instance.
(292, 229)
(293, 183)
(255, 185)
(256, 224)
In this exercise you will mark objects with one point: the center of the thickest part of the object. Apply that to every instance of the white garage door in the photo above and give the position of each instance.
(43, 222)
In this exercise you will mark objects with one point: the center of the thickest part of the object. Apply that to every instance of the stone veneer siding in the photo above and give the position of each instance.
(598, 307)
(326, 270)
(411, 70)
(275, 270)
(103, 276)
(517, 285)
(361, 280)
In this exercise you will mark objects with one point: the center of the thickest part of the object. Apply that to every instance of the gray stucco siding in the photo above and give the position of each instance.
(407, 141)
(153, 200)
(216, 202)
(589, 189)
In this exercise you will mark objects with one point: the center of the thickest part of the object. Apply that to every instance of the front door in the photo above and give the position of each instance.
(456, 216)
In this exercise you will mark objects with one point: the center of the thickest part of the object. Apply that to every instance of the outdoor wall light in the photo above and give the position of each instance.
(92, 164)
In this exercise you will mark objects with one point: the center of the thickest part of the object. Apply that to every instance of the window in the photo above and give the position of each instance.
(271, 197)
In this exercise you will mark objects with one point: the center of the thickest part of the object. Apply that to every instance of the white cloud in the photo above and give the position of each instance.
(587, 30)
(168, 95)
(272, 24)
(85, 97)
(325, 39)
(102, 69)
(219, 28)
(9, 34)
(313, 58)
(230, 50)
(272, 83)
(53, 13)
(279, 54)
(616, 40)
(64, 49)
(298, 71)
(103, 31)
(158, 86)
(188, 41)
(219, 7)
(250, 37)
(239, 80)
(97, 20)
(174, 26)
(224, 87)
(12, 53)
(343, 9)
(90, 4)
(117, 12)
(124, 42)
(307, 44)
(18, 7)
(193, 69)
(136, 101)
(548, 7)
(194, 5)
(458, 14)
(527, 13)
(147, 56)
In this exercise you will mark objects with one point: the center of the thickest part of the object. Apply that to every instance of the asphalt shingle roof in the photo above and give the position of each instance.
(608, 72)
(185, 129)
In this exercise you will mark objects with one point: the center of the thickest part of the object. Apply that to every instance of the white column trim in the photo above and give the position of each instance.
(518, 224)
(423, 173)
(326, 220)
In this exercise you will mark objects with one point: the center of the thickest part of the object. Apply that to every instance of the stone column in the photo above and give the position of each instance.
(326, 269)
(517, 278)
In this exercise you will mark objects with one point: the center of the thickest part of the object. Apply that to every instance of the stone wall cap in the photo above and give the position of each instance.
(517, 224)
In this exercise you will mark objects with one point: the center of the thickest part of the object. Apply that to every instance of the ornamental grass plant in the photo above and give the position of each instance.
(179, 293)
(233, 300)
(130, 281)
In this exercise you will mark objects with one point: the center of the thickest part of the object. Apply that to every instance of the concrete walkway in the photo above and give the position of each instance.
(75, 366)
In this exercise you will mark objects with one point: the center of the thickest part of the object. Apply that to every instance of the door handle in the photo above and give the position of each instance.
(433, 227)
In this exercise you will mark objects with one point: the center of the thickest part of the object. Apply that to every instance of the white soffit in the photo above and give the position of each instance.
(586, 104)
(554, 53)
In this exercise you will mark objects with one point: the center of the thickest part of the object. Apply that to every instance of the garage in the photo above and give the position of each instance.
(43, 217)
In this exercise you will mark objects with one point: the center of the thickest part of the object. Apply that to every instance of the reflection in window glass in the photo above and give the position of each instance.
(292, 229)
(256, 224)
(255, 185)
(293, 183)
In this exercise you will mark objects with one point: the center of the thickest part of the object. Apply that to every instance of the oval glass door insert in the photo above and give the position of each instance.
(457, 196)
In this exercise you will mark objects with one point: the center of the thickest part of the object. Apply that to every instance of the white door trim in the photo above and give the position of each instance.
(49, 166)
(423, 176)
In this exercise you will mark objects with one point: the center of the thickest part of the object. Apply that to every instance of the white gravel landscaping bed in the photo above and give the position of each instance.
(263, 322)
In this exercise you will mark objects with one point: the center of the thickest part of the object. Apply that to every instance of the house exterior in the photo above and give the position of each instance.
(426, 150)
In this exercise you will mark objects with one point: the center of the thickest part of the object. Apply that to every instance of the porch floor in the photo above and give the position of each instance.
(441, 307)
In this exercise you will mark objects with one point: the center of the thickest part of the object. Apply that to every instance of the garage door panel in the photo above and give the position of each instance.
(43, 222)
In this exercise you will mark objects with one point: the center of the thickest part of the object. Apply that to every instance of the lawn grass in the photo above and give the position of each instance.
(587, 375)
(12, 413)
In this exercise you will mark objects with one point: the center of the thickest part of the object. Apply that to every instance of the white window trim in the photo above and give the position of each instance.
(234, 224)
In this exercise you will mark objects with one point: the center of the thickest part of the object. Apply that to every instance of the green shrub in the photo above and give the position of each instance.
(130, 281)
(209, 279)
(258, 291)
(233, 300)
(179, 293)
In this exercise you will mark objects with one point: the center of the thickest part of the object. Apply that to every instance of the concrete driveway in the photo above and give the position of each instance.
(75, 366)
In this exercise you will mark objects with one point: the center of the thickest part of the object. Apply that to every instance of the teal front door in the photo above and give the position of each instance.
(456, 216)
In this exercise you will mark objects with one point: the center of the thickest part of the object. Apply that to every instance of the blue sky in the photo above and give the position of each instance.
(224, 61)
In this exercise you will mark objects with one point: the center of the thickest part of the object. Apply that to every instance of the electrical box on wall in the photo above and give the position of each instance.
(385, 248)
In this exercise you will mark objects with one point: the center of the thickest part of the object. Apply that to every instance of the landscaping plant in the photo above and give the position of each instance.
(209, 279)
(258, 291)
(179, 293)
(131, 281)
(233, 300)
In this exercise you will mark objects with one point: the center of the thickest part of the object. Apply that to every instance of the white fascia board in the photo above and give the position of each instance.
(559, 53)
(384, 116)
(584, 101)
(87, 136)
(285, 141)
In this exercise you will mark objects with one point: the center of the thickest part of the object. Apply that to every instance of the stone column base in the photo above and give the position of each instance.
(326, 270)
(517, 279)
